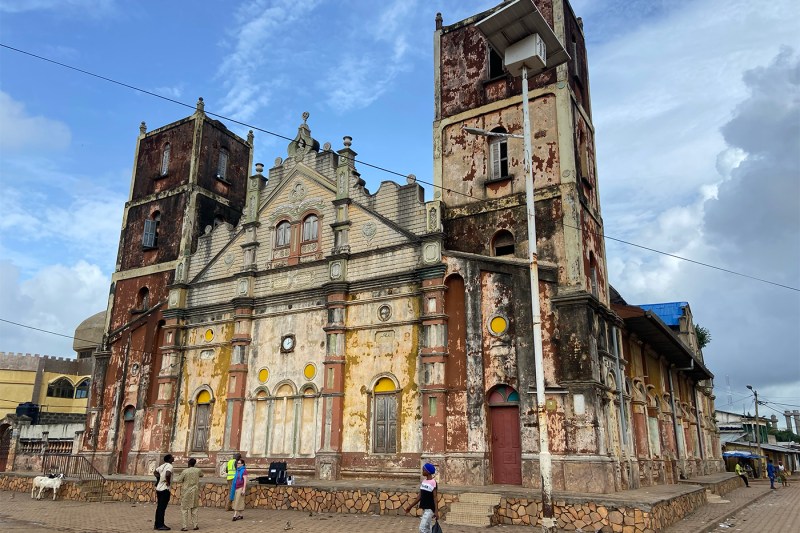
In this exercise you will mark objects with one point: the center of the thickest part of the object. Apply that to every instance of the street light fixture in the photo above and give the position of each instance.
(518, 32)
(757, 431)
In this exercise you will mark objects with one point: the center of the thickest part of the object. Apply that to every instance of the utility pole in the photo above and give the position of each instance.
(758, 430)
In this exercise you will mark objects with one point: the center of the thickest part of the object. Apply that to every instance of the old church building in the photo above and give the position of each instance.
(291, 314)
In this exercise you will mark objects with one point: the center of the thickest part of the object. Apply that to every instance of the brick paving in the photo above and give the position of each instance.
(753, 509)
(18, 513)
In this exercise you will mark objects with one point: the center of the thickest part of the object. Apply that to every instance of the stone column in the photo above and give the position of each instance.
(788, 416)
(796, 416)
(329, 457)
(433, 353)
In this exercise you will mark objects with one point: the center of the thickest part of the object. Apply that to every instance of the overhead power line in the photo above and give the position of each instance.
(371, 165)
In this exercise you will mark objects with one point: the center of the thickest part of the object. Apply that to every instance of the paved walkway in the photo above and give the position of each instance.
(18, 513)
(753, 509)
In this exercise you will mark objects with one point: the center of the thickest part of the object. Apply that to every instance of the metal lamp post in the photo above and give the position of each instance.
(757, 431)
(519, 33)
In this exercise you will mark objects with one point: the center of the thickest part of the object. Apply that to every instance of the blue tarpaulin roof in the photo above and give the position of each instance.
(747, 455)
(670, 313)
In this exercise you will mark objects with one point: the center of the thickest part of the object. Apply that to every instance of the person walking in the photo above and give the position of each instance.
(782, 474)
(230, 473)
(190, 494)
(771, 473)
(238, 489)
(164, 475)
(427, 499)
(741, 474)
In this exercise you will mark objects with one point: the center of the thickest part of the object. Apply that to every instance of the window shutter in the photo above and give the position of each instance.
(391, 429)
(380, 423)
(494, 159)
(149, 236)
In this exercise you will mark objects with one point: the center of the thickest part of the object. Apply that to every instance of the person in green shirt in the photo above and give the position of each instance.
(230, 473)
(740, 473)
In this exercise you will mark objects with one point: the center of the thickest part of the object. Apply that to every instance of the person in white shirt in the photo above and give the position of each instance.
(164, 475)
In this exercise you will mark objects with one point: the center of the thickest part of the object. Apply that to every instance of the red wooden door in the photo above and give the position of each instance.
(126, 447)
(506, 448)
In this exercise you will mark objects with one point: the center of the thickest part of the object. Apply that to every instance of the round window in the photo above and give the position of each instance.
(209, 335)
(263, 375)
(310, 371)
(498, 325)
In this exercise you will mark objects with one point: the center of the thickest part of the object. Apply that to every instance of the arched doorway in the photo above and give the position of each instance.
(506, 445)
(5, 445)
(127, 441)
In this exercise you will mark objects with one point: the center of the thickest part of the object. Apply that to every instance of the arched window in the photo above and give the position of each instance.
(283, 232)
(498, 155)
(593, 273)
(503, 244)
(202, 421)
(165, 160)
(310, 228)
(503, 395)
(384, 426)
(82, 390)
(61, 388)
(308, 421)
(222, 164)
(260, 428)
(143, 299)
(150, 236)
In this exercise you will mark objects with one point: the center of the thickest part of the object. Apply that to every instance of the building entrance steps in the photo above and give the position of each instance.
(474, 509)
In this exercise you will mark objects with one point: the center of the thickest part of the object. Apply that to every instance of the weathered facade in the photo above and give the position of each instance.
(356, 334)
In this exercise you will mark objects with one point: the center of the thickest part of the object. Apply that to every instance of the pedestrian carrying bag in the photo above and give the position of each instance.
(436, 527)
(158, 476)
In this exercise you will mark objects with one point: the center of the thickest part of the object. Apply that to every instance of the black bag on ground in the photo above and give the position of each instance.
(277, 474)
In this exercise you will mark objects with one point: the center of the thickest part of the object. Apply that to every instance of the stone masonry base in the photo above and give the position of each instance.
(585, 512)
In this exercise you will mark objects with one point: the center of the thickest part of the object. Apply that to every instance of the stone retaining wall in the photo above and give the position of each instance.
(570, 515)
(589, 516)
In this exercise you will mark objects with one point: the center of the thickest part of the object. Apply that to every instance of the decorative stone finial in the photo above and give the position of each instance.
(259, 168)
(278, 161)
(411, 179)
(305, 116)
(200, 104)
(250, 137)
(347, 141)
(439, 21)
(326, 147)
(142, 128)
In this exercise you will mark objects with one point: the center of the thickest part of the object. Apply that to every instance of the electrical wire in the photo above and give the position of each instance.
(377, 167)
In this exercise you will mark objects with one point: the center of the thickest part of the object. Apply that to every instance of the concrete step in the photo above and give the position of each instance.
(466, 519)
(479, 497)
(472, 508)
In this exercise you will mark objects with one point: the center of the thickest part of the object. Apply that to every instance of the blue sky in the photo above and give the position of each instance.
(695, 103)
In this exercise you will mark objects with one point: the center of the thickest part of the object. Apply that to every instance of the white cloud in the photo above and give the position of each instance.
(21, 131)
(698, 157)
(263, 41)
(50, 300)
(170, 92)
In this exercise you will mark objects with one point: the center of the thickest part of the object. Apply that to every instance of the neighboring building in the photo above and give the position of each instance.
(45, 391)
(89, 335)
(670, 389)
(298, 317)
(57, 385)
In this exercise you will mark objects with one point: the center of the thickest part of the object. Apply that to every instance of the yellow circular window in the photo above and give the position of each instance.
(209, 335)
(498, 325)
(263, 375)
(310, 371)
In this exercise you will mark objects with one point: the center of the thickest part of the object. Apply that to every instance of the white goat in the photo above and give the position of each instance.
(43, 483)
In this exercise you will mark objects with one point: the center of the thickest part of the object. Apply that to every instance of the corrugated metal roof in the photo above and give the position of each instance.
(670, 312)
(725, 438)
